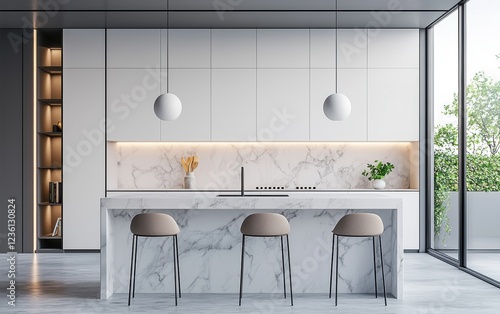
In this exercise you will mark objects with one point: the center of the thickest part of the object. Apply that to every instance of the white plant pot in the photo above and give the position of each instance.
(378, 184)
(190, 181)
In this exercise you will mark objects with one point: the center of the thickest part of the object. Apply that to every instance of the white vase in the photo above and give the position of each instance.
(190, 181)
(378, 184)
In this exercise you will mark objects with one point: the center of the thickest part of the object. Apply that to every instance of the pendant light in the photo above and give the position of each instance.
(337, 107)
(167, 107)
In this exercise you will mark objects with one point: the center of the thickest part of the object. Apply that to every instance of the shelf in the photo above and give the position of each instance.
(51, 69)
(49, 204)
(51, 101)
(51, 134)
(49, 237)
(50, 168)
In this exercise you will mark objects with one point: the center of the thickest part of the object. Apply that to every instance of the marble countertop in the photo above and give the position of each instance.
(209, 200)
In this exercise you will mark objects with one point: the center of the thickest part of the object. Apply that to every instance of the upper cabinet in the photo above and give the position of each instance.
(133, 48)
(282, 48)
(394, 49)
(130, 97)
(189, 48)
(393, 104)
(261, 84)
(89, 41)
(192, 86)
(352, 83)
(282, 105)
(234, 48)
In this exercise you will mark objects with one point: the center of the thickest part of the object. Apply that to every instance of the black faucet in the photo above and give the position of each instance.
(242, 181)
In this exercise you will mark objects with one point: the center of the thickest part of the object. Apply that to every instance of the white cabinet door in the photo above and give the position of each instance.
(189, 48)
(352, 83)
(393, 104)
(192, 86)
(351, 46)
(133, 48)
(83, 156)
(233, 48)
(234, 105)
(83, 48)
(131, 95)
(322, 47)
(395, 49)
(283, 48)
(282, 105)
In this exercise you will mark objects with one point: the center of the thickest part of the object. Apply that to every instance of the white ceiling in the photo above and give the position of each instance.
(222, 13)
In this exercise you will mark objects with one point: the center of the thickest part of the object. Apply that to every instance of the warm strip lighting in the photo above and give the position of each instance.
(365, 144)
(35, 91)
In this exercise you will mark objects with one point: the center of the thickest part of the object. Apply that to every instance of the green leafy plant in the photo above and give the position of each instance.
(378, 170)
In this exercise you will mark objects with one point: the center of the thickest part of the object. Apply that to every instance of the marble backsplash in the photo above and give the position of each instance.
(288, 165)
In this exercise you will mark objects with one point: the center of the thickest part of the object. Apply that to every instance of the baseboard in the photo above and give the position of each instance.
(82, 251)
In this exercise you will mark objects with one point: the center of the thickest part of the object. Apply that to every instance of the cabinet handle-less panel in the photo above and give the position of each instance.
(394, 49)
(189, 48)
(83, 156)
(84, 48)
(233, 105)
(131, 95)
(393, 104)
(234, 48)
(133, 48)
(192, 86)
(352, 83)
(283, 48)
(282, 105)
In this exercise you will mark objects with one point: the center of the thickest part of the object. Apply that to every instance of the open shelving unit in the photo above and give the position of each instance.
(49, 141)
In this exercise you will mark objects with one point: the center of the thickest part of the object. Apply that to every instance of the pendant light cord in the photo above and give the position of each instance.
(336, 46)
(168, 39)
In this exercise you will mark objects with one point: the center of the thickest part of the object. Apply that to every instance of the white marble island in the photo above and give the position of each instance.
(210, 244)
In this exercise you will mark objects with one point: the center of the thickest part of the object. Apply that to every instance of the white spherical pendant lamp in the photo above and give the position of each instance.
(168, 107)
(337, 107)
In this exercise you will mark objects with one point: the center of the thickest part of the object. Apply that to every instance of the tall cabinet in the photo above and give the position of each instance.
(49, 141)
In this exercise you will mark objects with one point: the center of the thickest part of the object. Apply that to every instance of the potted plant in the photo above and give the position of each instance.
(377, 172)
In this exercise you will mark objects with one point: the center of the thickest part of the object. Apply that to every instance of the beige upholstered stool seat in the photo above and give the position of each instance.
(358, 225)
(154, 225)
(265, 225)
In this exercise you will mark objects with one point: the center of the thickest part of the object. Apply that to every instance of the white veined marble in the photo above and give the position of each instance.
(210, 245)
(320, 165)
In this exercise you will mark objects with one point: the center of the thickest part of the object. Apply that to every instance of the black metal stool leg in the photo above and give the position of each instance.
(383, 274)
(374, 267)
(174, 273)
(135, 265)
(289, 268)
(337, 272)
(242, 259)
(131, 269)
(331, 266)
(178, 265)
(283, 264)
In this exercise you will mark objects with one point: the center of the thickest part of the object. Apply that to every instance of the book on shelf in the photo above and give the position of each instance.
(57, 228)
(55, 192)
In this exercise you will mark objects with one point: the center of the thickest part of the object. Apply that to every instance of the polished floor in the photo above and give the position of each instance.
(69, 283)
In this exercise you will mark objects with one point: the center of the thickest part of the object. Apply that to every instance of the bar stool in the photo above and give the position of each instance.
(267, 225)
(154, 225)
(358, 225)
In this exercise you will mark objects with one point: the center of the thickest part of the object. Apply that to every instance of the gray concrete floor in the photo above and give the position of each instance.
(69, 283)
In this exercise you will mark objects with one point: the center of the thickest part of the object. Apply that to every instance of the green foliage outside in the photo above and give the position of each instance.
(483, 147)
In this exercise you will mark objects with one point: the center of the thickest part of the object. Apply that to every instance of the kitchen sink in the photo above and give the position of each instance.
(253, 195)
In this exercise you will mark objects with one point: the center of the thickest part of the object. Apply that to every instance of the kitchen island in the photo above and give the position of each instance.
(210, 244)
